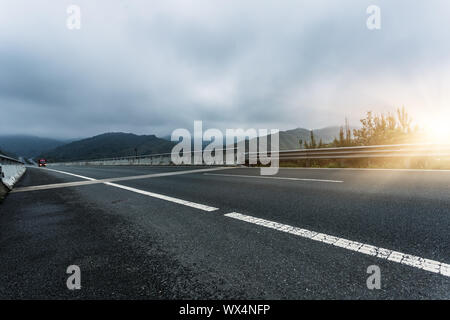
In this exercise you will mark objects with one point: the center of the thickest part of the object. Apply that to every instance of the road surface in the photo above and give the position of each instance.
(211, 233)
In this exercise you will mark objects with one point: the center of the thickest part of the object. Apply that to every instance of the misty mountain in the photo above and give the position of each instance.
(290, 139)
(8, 154)
(119, 144)
(28, 146)
(109, 145)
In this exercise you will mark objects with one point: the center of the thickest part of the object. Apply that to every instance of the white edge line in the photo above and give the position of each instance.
(277, 178)
(356, 169)
(386, 254)
(150, 194)
(70, 174)
(163, 197)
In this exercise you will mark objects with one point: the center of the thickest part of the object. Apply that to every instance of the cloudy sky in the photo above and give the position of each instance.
(153, 66)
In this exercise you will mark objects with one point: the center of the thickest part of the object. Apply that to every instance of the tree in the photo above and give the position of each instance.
(348, 133)
(345, 136)
(312, 144)
(386, 129)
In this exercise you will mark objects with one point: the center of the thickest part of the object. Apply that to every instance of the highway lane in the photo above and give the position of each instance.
(367, 207)
(132, 245)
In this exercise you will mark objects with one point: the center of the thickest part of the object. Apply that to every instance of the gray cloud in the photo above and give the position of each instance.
(153, 66)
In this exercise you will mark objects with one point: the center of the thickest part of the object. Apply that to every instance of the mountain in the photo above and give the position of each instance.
(28, 146)
(120, 144)
(108, 145)
(8, 154)
(290, 139)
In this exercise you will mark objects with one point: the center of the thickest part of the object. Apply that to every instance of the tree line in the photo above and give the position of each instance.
(376, 129)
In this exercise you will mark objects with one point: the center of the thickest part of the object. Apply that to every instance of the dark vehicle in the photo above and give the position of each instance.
(42, 163)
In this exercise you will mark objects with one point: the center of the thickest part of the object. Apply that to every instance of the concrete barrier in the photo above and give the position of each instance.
(162, 159)
(11, 170)
(155, 160)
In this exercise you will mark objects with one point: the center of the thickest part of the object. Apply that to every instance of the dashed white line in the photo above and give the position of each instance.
(390, 255)
(266, 177)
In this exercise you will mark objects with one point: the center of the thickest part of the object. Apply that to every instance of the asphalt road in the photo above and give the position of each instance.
(169, 236)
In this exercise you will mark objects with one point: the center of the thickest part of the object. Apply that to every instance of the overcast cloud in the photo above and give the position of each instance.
(153, 66)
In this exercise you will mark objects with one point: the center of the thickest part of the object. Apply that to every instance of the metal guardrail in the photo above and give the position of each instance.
(4, 158)
(424, 150)
(379, 151)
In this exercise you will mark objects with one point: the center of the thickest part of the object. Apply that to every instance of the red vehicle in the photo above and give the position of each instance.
(42, 163)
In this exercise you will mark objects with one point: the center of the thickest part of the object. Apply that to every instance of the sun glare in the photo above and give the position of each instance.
(439, 131)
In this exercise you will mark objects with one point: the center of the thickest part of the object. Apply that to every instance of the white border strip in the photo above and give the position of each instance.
(98, 181)
(163, 197)
(402, 258)
(150, 194)
(70, 174)
(266, 177)
(362, 169)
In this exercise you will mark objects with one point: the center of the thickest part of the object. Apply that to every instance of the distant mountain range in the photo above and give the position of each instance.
(8, 154)
(290, 139)
(107, 145)
(127, 144)
(28, 146)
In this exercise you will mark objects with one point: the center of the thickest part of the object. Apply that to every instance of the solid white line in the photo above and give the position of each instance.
(152, 194)
(70, 174)
(266, 177)
(55, 186)
(98, 181)
(163, 197)
(359, 169)
(394, 256)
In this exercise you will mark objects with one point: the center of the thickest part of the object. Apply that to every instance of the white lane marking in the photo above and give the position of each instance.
(402, 258)
(359, 169)
(70, 174)
(98, 181)
(55, 186)
(266, 177)
(150, 194)
(163, 197)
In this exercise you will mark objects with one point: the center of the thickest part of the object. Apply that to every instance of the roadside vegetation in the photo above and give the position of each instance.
(376, 129)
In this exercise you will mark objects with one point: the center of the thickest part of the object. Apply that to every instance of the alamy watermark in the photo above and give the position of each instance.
(236, 146)
(73, 21)
(373, 22)
(74, 280)
(374, 280)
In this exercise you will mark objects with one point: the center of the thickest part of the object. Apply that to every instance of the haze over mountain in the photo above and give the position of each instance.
(116, 144)
(290, 139)
(124, 144)
(28, 146)
(7, 153)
